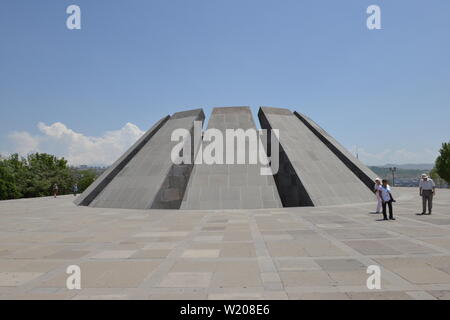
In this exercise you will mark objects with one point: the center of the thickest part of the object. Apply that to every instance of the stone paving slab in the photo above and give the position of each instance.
(13, 279)
(284, 253)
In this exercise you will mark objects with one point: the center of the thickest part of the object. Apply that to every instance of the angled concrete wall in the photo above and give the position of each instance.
(316, 174)
(106, 177)
(149, 179)
(172, 191)
(233, 186)
(290, 189)
(366, 175)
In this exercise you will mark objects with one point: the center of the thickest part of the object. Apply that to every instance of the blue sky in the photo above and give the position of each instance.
(386, 91)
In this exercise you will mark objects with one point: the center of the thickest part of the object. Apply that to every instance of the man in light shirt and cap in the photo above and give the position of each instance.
(386, 197)
(427, 191)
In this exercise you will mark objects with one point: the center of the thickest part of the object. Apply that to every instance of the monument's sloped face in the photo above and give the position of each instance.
(308, 166)
(313, 169)
(147, 180)
(86, 198)
(366, 175)
(231, 186)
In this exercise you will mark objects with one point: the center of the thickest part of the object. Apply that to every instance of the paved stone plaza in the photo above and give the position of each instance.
(285, 253)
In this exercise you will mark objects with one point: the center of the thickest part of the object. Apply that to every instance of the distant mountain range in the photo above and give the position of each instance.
(407, 172)
(409, 166)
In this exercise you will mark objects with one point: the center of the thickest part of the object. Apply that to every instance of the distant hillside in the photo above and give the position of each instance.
(383, 172)
(406, 177)
(413, 166)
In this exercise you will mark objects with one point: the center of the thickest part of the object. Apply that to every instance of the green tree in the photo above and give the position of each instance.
(86, 177)
(13, 176)
(437, 179)
(44, 170)
(33, 176)
(8, 187)
(443, 162)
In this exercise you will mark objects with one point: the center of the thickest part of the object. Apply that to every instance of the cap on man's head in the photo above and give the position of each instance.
(424, 175)
(377, 179)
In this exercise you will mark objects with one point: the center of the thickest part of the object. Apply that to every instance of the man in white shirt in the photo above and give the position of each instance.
(387, 199)
(427, 190)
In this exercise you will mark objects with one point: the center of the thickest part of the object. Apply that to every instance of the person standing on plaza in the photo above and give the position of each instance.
(55, 190)
(376, 189)
(75, 189)
(427, 189)
(387, 199)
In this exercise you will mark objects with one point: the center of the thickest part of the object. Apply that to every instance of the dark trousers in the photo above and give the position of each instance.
(427, 196)
(389, 204)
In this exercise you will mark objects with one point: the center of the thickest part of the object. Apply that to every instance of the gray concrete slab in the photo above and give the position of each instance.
(310, 173)
(101, 182)
(149, 179)
(230, 186)
(366, 175)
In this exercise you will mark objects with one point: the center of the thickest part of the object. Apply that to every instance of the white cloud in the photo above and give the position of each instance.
(76, 147)
(399, 156)
(24, 142)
